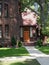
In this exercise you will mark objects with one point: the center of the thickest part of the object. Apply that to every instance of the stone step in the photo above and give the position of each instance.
(29, 43)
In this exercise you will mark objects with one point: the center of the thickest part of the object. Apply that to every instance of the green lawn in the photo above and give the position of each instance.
(44, 49)
(9, 52)
(26, 62)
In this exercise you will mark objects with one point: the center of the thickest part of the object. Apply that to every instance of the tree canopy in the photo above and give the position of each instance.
(43, 10)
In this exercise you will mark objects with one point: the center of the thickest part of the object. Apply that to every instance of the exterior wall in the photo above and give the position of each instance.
(13, 20)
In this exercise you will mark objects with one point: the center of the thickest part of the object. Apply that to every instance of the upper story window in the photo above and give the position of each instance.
(0, 9)
(6, 10)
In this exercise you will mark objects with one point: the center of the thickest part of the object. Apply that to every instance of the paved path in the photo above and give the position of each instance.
(18, 58)
(42, 58)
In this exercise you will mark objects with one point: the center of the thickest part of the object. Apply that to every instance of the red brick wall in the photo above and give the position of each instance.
(13, 19)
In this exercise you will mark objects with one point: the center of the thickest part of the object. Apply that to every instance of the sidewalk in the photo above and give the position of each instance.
(42, 58)
(18, 58)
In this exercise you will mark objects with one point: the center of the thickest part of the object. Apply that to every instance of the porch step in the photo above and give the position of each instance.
(29, 43)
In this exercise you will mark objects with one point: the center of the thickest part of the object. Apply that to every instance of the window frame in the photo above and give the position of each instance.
(6, 10)
(6, 30)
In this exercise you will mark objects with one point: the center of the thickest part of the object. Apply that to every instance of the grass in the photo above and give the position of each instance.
(26, 62)
(44, 49)
(9, 52)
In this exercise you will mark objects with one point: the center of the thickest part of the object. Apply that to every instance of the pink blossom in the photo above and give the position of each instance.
(29, 18)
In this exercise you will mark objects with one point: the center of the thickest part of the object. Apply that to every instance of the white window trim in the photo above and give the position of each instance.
(31, 35)
(21, 32)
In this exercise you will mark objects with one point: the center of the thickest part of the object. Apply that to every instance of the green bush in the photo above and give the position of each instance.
(13, 41)
(45, 32)
(19, 44)
(47, 40)
(39, 42)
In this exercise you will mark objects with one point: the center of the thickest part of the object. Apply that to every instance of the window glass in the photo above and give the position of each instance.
(7, 30)
(6, 10)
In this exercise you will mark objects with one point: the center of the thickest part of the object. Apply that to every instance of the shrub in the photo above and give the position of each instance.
(1, 46)
(39, 42)
(45, 32)
(13, 41)
(19, 44)
(47, 40)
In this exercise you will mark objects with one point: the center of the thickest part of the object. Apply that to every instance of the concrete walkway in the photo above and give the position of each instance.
(42, 58)
(17, 58)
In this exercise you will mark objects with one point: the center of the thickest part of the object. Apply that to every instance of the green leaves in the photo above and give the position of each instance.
(26, 3)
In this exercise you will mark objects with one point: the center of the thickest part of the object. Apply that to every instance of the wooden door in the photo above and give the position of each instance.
(26, 36)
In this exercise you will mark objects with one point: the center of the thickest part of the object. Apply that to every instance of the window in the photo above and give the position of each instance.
(6, 30)
(0, 9)
(0, 31)
(6, 10)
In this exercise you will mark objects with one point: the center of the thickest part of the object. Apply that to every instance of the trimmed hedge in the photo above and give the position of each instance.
(19, 44)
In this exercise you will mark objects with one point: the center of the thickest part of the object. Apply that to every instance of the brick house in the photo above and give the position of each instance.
(12, 24)
(10, 20)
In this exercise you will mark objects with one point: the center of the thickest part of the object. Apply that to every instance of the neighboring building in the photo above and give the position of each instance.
(10, 20)
(12, 24)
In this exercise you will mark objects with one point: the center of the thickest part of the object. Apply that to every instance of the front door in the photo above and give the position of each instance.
(26, 36)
